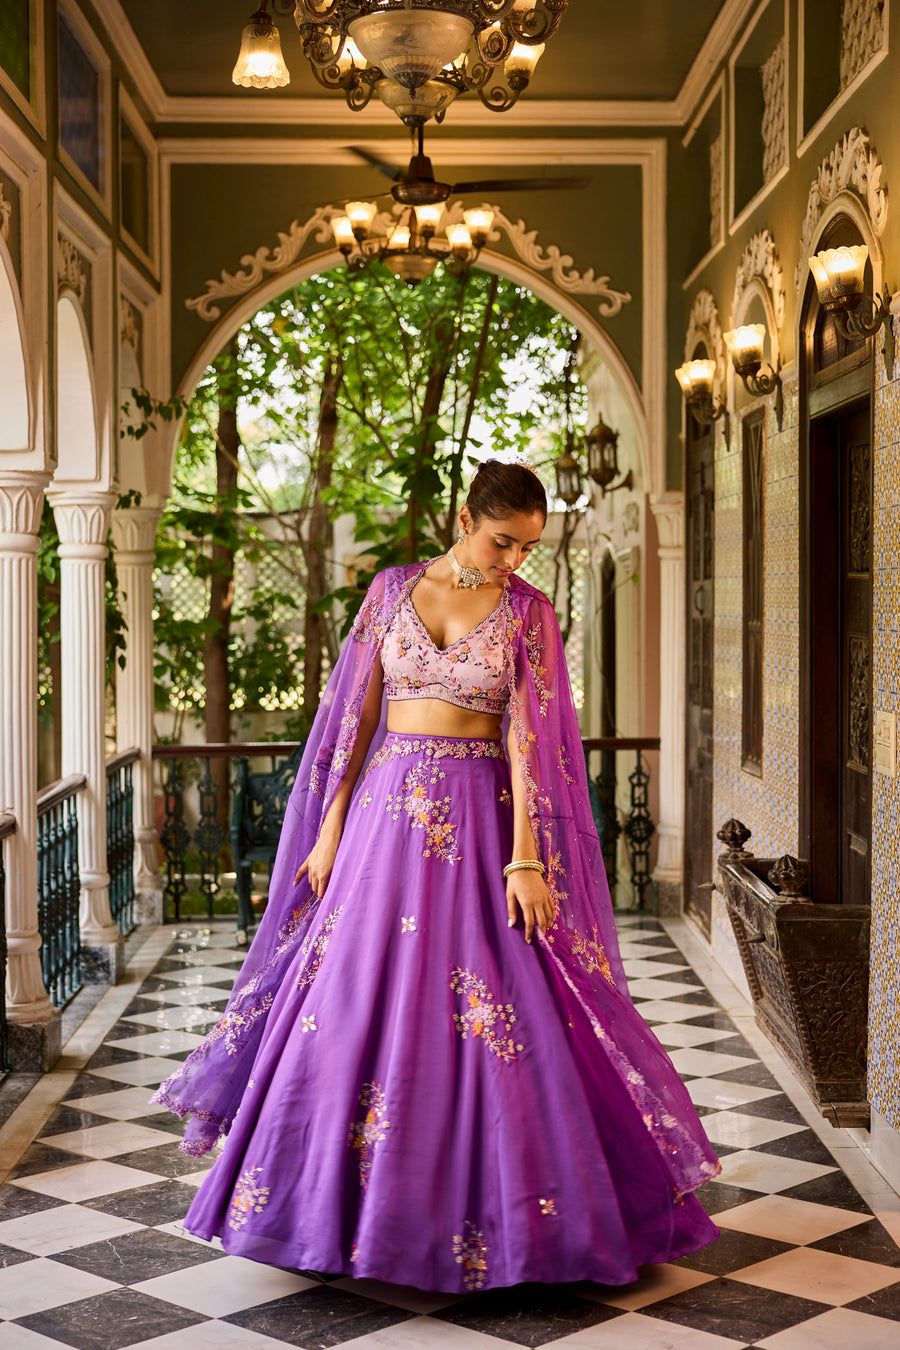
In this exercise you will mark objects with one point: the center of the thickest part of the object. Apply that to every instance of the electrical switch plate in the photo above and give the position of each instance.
(886, 743)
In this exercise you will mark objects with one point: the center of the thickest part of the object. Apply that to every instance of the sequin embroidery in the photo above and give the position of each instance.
(470, 1252)
(314, 949)
(435, 747)
(591, 954)
(408, 925)
(248, 1198)
(234, 1023)
(368, 1132)
(426, 813)
(308, 1024)
(484, 1018)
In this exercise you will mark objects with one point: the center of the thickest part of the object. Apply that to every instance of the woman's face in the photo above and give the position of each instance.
(498, 547)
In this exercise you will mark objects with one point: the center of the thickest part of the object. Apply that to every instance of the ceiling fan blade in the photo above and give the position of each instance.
(521, 185)
(391, 171)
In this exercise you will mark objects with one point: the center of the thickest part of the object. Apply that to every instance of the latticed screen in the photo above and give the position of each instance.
(15, 42)
(79, 105)
(540, 569)
(135, 180)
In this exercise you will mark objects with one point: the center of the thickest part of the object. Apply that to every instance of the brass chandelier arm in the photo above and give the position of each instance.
(864, 321)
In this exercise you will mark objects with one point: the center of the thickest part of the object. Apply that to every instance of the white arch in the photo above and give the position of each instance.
(503, 266)
(15, 419)
(76, 417)
(130, 467)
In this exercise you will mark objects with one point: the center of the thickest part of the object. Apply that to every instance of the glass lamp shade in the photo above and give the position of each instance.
(602, 453)
(522, 59)
(361, 215)
(411, 45)
(696, 378)
(350, 57)
(839, 272)
(260, 64)
(460, 240)
(428, 218)
(399, 237)
(344, 237)
(419, 105)
(479, 221)
(568, 478)
(746, 345)
(411, 267)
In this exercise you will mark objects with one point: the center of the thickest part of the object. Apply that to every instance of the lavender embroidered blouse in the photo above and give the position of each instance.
(471, 673)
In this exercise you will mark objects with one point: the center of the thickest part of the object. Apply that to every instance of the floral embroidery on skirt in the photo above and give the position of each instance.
(371, 1130)
(316, 947)
(470, 1252)
(483, 1017)
(248, 1198)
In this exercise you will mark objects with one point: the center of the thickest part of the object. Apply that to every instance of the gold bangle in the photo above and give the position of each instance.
(525, 865)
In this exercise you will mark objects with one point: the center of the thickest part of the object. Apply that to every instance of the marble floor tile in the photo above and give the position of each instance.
(83, 1181)
(822, 1276)
(15, 1202)
(123, 1104)
(149, 1072)
(869, 1240)
(742, 1312)
(105, 1141)
(160, 1042)
(417, 1301)
(884, 1303)
(209, 1335)
(760, 1171)
(732, 1127)
(655, 1283)
(187, 996)
(41, 1284)
(115, 1320)
(644, 930)
(16, 1337)
(225, 1285)
(529, 1315)
(159, 1203)
(641, 950)
(166, 1161)
(635, 1331)
(733, 1251)
(143, 1254)
(837, 1329)
(675, 1035)
(664, 1010)
(173, 1019)
(796, 1221)
(320, 1316)
(637, 968)
(704, 1063)
(656, 988)
(831, 1188)
(723, 1096)
(54, 1230)
(423, 1333)
(197, 975)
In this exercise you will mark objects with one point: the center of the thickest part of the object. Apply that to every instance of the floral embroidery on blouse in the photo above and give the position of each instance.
(535, 649)
(370, 1130)
(426, 813)
(368, 625)
(548, 1206)
(248, 1198)
(591, 954)
(483, 1017)
(470, 1252)
(314, 949)
(233, 1023)
(469, 673)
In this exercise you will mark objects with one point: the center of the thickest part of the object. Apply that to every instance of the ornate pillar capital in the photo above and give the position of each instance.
(21, 504)
(668, 511)
(82, 519)
(134, 533)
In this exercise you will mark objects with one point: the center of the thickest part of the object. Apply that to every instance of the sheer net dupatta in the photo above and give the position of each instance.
(211, 1081)
(582, 942)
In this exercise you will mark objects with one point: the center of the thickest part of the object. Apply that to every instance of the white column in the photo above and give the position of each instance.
(134, 533)
(83, 524)
(34, 1022)
(668, 876)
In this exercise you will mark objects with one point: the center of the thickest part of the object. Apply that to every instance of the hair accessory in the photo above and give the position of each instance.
(525, 865)
(469, 577)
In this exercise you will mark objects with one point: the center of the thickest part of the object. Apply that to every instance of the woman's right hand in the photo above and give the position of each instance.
(320, 862)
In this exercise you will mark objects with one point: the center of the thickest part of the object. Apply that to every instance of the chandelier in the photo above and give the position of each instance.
(412, 246)
(417, 56)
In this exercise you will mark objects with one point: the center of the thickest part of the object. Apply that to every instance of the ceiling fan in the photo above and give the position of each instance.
(417, 186)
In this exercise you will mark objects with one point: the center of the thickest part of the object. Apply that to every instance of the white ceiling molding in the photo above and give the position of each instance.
(852, 166)
(489, 151)
(125, 40)
(711, 56)
(266, 260)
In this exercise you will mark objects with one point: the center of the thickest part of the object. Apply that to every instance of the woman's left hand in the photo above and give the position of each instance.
(526, 890)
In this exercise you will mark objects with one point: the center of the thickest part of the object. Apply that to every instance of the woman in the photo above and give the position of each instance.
(440, 1076)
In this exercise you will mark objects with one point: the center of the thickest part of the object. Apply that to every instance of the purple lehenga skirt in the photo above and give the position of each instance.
(428, 1104)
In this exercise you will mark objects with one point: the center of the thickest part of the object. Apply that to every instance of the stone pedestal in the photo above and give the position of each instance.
(134, 532)
(82, 520)
(34, 1022)
(668, 877)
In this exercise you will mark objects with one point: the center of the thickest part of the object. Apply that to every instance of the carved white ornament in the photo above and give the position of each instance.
(773, 123)
(704, 326)
(716, 189)
(130, 327)
(862, 36)
(5, 213)
(70, 267)
(254, 266)
(760, 261)
(20, 508)
(851, 166)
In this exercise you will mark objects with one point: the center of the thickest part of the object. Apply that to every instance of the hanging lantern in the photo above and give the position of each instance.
(568, 477)
(602, 453)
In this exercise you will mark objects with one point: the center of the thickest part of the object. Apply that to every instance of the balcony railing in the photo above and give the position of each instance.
(58, 886)
(7, 827)
(636, 824)
(120, 838)
(192, 839)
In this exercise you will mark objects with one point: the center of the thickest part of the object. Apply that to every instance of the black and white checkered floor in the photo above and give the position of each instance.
(92, 1254)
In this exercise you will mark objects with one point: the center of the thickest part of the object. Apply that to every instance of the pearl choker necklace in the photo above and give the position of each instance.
(469, 577)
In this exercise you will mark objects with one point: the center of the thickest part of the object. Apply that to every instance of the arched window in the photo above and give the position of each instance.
(76, 424)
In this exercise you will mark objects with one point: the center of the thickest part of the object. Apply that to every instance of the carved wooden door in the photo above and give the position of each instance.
(841, 657)
(699, 557)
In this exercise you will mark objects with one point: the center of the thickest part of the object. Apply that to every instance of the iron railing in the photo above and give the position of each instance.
(637, 823)
(7, 827)
(58, 887)
(197, 836)
(120, 838)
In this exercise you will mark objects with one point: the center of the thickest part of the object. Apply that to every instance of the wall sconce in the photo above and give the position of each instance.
(601, 445)
(746, 346)
(568, 477)
(696, 380)
(839, 275)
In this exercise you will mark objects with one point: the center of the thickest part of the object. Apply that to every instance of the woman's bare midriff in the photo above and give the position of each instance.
(434, 717)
